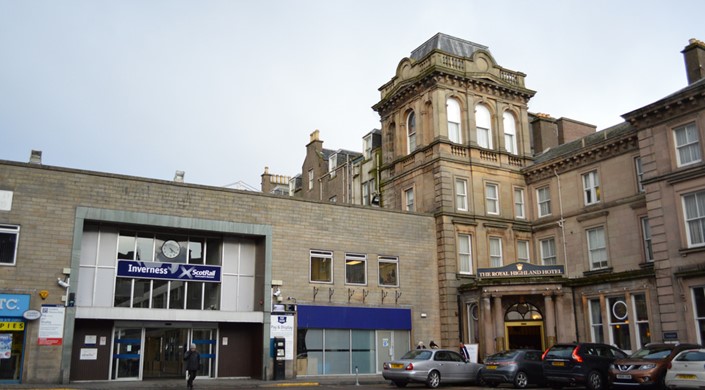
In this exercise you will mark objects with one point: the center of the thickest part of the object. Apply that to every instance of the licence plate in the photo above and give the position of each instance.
(685, 376)
(491, 367)
(397, 365)
(623, 376)
(559, 364)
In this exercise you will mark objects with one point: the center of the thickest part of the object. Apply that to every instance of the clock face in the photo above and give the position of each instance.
(171, 249)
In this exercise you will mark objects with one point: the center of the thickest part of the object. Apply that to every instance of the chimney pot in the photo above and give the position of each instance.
(179, 176)
(35, 157)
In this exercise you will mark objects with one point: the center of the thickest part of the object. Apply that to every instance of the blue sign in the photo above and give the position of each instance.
(13, 305)
(170, 271)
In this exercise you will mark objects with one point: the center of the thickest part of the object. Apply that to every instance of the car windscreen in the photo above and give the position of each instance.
(417, 354)
(560, 352)
(503, 356)
(652, 353)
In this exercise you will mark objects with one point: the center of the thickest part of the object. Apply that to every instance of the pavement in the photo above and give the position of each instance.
(212, 384)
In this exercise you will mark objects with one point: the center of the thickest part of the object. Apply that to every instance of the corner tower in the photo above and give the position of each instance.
(455, 136)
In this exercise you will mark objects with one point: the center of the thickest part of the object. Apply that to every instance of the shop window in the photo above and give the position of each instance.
(596, 323)
(619, 323)
(388, 271)
(336, 351)
(321, 266)
(355, 269)
(641, 316)
(8, 244)
(699, 312)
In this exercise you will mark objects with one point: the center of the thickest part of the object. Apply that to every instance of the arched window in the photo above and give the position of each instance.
(510, 133)
(523, 311)
(454, 129)
(483, 123)
(411, 132)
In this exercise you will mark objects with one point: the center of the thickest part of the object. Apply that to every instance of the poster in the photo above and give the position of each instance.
(283, 326)
(5, 345)
(51, 325)
(473, 350)
(89, 354)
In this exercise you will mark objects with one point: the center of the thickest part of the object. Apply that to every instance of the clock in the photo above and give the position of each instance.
(171, 249)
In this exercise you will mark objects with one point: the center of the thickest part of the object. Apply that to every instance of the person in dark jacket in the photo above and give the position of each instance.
(193, 363)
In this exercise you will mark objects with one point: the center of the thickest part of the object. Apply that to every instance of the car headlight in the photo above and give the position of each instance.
(647, 366)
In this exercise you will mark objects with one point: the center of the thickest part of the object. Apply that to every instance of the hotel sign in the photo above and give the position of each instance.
(169, 271)
(521, 269)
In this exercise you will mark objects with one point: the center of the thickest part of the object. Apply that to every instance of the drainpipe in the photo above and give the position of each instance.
(561, 224)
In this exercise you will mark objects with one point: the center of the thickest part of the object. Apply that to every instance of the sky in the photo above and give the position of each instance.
(222, 89)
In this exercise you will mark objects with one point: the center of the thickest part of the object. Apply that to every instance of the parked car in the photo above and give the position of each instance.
(432, 367)
(520, 367)
(687, 370)
(584, 364)
(645, 368)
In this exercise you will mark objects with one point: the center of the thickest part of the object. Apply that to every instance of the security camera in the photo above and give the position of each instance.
(277, 292)
(62, 283)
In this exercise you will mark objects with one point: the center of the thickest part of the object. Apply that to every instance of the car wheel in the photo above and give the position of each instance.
(400, 384)
(433, 380)
(594, 381)
(521, 380)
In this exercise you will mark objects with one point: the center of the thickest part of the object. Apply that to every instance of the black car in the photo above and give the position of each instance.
(520, 367)
(579, 364)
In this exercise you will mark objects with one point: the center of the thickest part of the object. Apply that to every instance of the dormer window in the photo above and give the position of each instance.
(332, 164)
(367, 146)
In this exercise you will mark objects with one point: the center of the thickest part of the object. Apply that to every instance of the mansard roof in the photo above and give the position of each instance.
(448, 44)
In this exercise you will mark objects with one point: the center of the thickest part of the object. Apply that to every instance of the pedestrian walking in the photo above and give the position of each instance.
(193, 364)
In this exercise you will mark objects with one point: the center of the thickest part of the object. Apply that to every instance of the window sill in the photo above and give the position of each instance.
(598, 271)
(686, 251)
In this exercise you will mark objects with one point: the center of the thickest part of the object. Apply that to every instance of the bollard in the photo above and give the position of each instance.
(357, 382)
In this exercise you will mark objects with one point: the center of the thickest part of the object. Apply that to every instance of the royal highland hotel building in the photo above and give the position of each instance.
(465, 218)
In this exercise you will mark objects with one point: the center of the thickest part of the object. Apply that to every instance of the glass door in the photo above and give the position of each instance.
(205, 345)
(163, 352)
(127, 345)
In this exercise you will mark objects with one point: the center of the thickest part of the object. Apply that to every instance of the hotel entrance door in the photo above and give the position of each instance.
(525, 335)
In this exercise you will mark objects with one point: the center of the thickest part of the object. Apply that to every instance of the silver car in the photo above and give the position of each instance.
(432, 367)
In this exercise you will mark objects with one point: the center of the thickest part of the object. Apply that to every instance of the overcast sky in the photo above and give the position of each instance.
(221, 89)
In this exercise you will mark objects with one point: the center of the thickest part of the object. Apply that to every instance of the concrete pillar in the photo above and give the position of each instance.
(550, 320)
(499, 323)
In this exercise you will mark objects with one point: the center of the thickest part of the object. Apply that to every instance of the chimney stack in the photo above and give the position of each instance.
(179, 176)
(694, 55)
(35, 157)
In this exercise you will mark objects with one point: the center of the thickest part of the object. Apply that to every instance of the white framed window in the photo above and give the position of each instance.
(409, 200)
(461, 194)
(619, 323)
(519, 203)
(639, 174)
(698, 295)
(646, 237)
(454, 128)
(641, 319)
(483, 124)
(694, 214)
(411, 132)
(321, 266)
(388, 271)
(510, 132)
(9, 237)
(332, 164)
(366, 193)
(543, 196)
(367, 146)
(492, 198)
(523, 251)
(687, 144)
(591, 188)
(355, 268)
(596, 323)
(548, 251)
(495, 252)
(465, 253)
(310, 179)
(597, 248)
